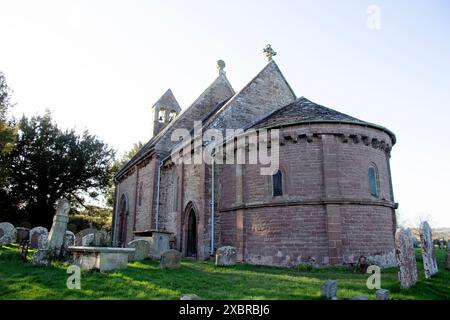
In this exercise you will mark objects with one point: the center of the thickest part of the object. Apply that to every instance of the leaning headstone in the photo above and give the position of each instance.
(447, 257)
(382, 294)
(142, 250)
(58, 230)
(329, 290)
(226, 256)
(189, 296)
(79, 236)
(7, 233)
(406, 258)
(171, 259)
(40, 257)
(88, 240)
(429, 257)
(35, 233)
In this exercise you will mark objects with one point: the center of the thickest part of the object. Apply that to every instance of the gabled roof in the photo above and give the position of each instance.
(267, 91)
(218, 91)
(168, 100)
(303, 110)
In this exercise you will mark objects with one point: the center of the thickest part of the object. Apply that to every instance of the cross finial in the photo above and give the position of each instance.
(269, 52)
(221, 66)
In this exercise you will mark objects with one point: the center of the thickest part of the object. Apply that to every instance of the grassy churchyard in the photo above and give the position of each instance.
(145, 280)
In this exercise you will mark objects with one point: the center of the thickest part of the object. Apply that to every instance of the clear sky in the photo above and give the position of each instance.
(101, 65)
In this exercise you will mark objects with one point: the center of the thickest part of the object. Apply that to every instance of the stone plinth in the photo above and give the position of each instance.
(101, 258)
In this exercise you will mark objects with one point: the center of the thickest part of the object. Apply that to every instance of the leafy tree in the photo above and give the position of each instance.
(7, 130)
(118, 164)
(49, 163)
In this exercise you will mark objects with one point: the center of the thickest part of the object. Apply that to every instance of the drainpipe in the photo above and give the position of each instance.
(212, 203)
(157, 194)
(115, 211)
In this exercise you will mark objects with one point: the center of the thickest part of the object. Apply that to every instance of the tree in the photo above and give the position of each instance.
(48, 163)
(118, 164)
(7, 129)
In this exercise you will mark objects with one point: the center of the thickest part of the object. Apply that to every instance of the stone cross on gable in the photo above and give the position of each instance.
(221, 66)
(269, 52)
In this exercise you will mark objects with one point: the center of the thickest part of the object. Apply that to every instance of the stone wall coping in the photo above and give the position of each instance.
(101, 249)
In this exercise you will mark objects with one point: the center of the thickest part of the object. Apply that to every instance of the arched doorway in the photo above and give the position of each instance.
(123, 213)
(189, 231)
(191, 234)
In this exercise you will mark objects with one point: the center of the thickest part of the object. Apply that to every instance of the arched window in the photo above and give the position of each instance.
(373, 181)
(141, 194)
(277, 184)
(172, 115)
(162, 116)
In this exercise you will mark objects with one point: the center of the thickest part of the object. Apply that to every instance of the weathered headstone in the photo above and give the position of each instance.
(429, 257)
(142, 250)
(189, 296)
(329, 290)
(23, 235)
(7, 233)
(40, 257)
(102, 239)
(69, 240)
(226, 256)
(447, 257)
(35, 233)
(58, 230)
(382, 294)
(88, 240)
(171, 259)
(79, 236)
(406, 258)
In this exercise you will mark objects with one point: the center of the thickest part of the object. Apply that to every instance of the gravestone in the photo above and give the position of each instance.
(142, 250)
(429, 257)
(23, 235)
(40, 257)
(447, 257)
(171, 259)
(59, 228)
(382, 294)
(7, 233)
(406, 258)
(226, 256)
(69, 240)
(79, 236)
(88, 240)
(102, 239)
(35, 233)
(329, 290)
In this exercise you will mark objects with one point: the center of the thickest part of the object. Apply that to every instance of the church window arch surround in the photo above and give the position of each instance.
(277, 182)
(374, 180)
(124, 210)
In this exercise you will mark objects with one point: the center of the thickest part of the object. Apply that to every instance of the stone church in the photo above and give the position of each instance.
(329, 202)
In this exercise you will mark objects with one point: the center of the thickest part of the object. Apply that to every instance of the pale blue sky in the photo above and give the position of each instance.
(101, 65)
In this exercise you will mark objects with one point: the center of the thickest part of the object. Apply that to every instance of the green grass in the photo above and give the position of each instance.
(144, 280)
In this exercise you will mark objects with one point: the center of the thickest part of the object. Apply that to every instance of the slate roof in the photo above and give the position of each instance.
(305, 111)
